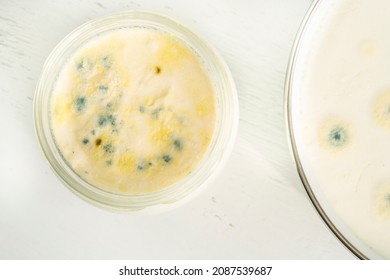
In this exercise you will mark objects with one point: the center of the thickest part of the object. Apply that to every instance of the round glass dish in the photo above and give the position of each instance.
(226, 113)
(335, 70)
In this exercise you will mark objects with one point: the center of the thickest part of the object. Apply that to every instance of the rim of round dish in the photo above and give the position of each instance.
(217, 152)
(290, 132)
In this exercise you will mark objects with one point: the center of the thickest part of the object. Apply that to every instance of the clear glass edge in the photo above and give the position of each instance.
(291, 139)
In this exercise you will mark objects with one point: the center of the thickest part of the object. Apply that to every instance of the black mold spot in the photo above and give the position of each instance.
(106, 61)
(102, 120)
(387, 198)
(84, 65)
(106, 119)
(80, 103)
(111, 119)
(108, 148)
(167, 158)
(98, 142)
(140, 167)
(338, 136)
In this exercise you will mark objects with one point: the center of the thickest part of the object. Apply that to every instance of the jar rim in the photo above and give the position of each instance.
(224, 133)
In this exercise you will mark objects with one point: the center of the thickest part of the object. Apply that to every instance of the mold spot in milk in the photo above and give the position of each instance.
(338, 136)
(381, 109)
(367, 48)
(382, 201)
(80, 103)
(334, 135)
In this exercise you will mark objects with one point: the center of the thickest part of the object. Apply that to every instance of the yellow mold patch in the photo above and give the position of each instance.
(381, 109)
(97, 152)
(202, 109)
(368, 49)
(62, 109)
(125, 163)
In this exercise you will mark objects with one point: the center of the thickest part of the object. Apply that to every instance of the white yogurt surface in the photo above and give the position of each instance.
(341, 115)
(133, 111)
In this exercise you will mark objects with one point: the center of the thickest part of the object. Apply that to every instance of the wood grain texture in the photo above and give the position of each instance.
(255, 209)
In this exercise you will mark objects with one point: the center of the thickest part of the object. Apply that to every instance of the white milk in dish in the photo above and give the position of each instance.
(341, 116)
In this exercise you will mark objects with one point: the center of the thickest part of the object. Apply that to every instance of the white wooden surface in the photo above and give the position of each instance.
(255, 209)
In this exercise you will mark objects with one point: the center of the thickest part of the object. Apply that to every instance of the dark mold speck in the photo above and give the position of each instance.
(103, 88)
(108, 148)
(111, 119)
(102, 120)
(338, 136)
(167, 158)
